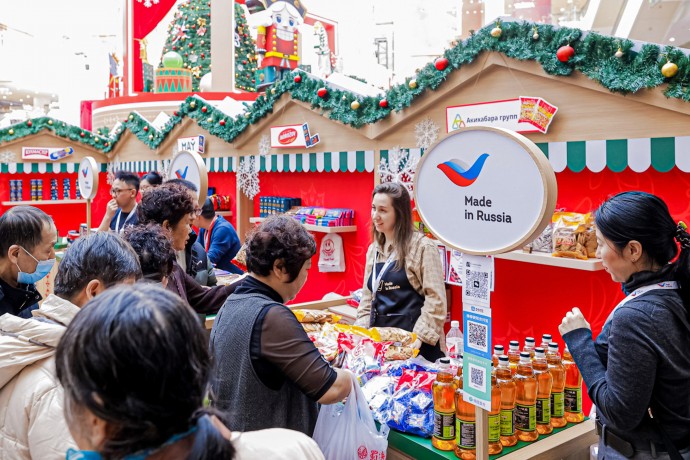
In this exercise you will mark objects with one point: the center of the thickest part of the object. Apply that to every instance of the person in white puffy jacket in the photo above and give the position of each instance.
(32, 424)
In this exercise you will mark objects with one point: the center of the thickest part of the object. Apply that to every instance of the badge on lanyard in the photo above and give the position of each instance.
(376, 279)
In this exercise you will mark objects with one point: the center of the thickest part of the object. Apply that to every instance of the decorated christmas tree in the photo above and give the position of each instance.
(190, 35)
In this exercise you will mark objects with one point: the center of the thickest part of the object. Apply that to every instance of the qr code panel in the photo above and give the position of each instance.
(477, 336)
(477, 284)
(477, 377)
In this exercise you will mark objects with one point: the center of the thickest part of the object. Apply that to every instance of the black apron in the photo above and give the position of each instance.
(397, 304)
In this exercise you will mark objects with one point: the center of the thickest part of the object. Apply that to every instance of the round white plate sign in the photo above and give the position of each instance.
(190, 166)
(88, 178)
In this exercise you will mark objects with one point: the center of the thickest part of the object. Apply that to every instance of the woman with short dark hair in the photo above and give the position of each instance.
(135, 368)
(150, 180)
(172, 207)
(269, 373)
(639, 366)
(155, 252)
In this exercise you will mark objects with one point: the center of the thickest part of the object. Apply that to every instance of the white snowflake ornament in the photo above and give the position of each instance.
(8, 157)
(426, 133)
(400, 167)
(248, 176)
(265, 145)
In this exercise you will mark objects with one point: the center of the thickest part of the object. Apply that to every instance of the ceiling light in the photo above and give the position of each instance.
(21, 100)
(672, 39)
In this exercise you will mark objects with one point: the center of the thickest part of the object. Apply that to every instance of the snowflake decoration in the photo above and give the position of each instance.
(193, 58)
(240, 67)
(179, 32)
(400, 167)
(8, 157)
(201, 31)
(248, 176)
(426, 133)
(264, 145)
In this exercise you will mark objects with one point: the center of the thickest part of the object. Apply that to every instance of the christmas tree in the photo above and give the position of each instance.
(190, 35)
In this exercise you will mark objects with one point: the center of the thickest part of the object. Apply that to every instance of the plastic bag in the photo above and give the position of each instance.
(350, 433)
(411, 409)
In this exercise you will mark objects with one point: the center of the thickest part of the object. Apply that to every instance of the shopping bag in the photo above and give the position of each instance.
(348, 431)
(331, 255)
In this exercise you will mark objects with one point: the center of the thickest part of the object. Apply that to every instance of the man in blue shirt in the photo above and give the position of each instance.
(218, 237)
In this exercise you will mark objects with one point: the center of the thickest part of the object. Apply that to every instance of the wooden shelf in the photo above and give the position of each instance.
(224, 213)
(542, 258)
(315, 228)
(42, 202)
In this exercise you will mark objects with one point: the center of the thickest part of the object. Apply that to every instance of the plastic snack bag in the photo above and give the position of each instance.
(411, 410)
(569, 235)
(316, 316)
(396, 335)
(350, 433)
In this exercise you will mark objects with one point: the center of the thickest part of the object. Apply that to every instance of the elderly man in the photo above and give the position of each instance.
(27, 254)
(32, 424)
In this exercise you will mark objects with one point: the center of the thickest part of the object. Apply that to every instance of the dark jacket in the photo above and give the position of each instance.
(19, 301)
(197, 263)
(640, 360)
(202, 299)
(223, 246)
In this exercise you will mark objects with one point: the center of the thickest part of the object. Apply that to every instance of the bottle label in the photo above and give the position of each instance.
(507, 426)
(525, 417)
(543, 411)
(494, 428)
(557, 409)
(444, 425)
(573, 399)
(466, 434)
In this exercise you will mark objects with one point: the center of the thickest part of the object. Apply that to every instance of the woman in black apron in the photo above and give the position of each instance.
(404, 284)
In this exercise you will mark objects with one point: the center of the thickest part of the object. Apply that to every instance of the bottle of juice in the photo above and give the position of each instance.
(544, 385)
(506, 384)
(573, 389)
(465, 424)
(525, 400)
(529, 346)
(498, 351)
(513, 355)
(545, 341)
(443, 391)
(495, 446)
(557, 371)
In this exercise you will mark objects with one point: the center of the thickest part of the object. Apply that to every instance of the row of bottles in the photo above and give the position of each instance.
(542, 392)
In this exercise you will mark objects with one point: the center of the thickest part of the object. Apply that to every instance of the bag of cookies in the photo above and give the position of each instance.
(396, 353)
(316, 316)
(570, 235)
(395, 335)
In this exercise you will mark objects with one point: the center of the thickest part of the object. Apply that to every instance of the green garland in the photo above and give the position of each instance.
(67, 131)
(594, 57)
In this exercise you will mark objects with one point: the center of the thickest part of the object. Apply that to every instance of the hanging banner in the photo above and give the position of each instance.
(525, 114)
(46, 153)
(291, 136)
(196, 144)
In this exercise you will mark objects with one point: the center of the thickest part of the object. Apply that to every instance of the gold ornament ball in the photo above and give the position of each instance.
(496, 32)
(344, 97)
(11, 131)
(131, 117)
(192, 104)
(210, 119)
(150, 137)
(247, 115)
(50, 122)
(354, 105)
(535, 36)
(669, 69)
(619, 53)
(412, 84)
(273, 90)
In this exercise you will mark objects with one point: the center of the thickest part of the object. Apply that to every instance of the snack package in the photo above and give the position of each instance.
(399, 337)
(411, 409)
(544, 242)
(363, 357)
(397, 353)
(316, 316)
(569, 235)
(240, 259)
(543, 115)
(312, 327)
(357, 330)
(528, 106)
(379, 393)
(591, 239)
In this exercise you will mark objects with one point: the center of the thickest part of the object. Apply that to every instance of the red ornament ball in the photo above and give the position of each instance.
(146, 128)
(565, 53)
(176, 113)
(322, 92)
(203, 56)
(221, 122)
(383, 103)
(191, 45)
(441, 63)
(244, 62)
(29, 123)
(298, 79)
(174, 48)
(81, 134)
(204, 109)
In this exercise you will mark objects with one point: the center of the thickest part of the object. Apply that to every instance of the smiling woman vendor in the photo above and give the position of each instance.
(406, 271)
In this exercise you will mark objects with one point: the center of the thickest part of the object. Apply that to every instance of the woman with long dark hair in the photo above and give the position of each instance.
(403, 279)
(135, 368)
(637, 370)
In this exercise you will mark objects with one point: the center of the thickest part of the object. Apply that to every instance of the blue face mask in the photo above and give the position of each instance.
(43, 267)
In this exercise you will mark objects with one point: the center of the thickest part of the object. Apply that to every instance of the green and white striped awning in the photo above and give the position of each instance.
(660, 153)
(42, 168)
(141, 166)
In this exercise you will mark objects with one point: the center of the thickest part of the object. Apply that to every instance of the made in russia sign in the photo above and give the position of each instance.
(525, 114)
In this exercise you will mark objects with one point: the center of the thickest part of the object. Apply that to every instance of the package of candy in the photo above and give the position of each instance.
(363, 356)
(411, 408)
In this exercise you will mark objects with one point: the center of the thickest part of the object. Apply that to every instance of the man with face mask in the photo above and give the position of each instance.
(27, 254)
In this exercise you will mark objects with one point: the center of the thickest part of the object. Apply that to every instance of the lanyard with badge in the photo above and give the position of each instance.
(638, 292)
(129, 216)
(376, 280)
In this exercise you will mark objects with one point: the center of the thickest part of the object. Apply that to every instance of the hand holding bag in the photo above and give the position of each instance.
(348, 432)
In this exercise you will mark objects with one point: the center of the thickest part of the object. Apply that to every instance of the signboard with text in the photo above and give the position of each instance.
(196, 144)
(525, 114)
(191, 167)
(291, 136)
(46, 153)
(88, 178)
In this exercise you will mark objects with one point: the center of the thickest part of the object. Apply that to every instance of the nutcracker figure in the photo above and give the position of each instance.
(277, 41)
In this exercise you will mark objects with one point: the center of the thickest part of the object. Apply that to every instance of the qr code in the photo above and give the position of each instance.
(477, 335)
(477, 284)
(477, 377)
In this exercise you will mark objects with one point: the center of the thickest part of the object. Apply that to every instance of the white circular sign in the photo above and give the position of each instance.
(485, 190)
(190, 166)
(88, 178)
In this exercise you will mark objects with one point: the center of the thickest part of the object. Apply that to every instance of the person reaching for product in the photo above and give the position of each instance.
(268, 372)
(403, 278)
(135, 368)
(637, 370)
